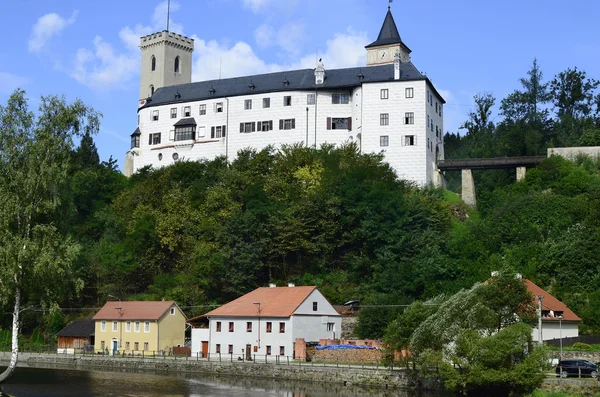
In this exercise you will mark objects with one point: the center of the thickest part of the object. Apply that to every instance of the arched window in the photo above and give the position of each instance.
(151, 90)
(153, 63)
(176, 64)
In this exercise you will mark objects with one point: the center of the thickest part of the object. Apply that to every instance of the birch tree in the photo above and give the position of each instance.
(36, 256)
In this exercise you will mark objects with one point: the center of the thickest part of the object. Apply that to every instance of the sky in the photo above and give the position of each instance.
(89, 49)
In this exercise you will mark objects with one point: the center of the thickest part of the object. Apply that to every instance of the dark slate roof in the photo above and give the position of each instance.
(79, 328)
(187, 121)
(137, 132)
(388, 34)
(292, 80)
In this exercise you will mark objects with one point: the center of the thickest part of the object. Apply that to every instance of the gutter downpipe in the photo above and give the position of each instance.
(306, 142)
(227, 134)
(316, 112)
(362, 100)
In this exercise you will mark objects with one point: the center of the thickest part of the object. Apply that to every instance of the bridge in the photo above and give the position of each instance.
(467, 165)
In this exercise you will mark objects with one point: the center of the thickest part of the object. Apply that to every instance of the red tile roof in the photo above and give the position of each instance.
(274, 302)
(134, 310)
(550, 303)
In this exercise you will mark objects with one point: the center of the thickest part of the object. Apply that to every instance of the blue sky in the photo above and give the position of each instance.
(88, 49)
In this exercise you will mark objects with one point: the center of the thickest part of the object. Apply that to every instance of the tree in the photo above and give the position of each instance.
(573, 93)
(36, 257)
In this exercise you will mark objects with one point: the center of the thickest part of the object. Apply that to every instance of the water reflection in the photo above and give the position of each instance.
(30, 382)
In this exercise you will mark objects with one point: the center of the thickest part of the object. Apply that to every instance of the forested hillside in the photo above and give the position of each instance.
(202, 233)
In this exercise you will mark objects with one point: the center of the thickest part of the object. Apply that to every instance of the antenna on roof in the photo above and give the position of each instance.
(390, 4)
(168, 12)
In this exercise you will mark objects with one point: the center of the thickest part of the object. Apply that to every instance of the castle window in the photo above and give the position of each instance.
(384, 94)
(409, 92)
(154, 139)
(151, 90)
(409, 140)
(185, 133)
(176, 68)
(135, 141)
(409, 118)
(339, 123)
(202, 110)
(247, 127)
(287, 124)
(266, 103)
(175, 156)
(173, 113)
(384, 140)
(310, 99)
(153, 63)
(248, 104)
(217, 132)
(265, 125)
(287, 100)
(384, 119)
(155, 115)
(219, 107)
(187, 111)
(340, 99)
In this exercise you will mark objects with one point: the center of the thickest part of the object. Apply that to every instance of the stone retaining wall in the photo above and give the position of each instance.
(590, 356)
(380, 377)
(353, 356)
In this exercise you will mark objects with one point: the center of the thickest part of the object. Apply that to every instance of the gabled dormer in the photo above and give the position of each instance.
(383, 50)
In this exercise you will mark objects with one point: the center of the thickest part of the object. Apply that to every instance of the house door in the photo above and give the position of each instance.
(204, 349)
(115, 346)
(248, 352)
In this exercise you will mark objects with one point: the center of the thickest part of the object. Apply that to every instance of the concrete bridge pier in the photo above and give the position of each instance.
(468, 188)
(521, 171)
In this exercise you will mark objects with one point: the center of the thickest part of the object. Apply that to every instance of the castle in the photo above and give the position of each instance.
(387, 106)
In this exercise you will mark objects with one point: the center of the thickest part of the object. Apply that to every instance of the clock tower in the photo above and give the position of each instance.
(383, 50)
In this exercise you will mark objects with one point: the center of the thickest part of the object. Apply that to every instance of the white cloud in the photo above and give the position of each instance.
(344, 50)
(264, 35)
(46, 27)
(10, 82)
(256, 5)
(290, 35)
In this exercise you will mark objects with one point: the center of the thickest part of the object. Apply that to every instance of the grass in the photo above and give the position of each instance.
(541, 393)
(593, 348)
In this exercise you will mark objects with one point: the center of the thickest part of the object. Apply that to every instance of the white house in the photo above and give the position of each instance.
(266, 322)
(557, 319)
(387, 106)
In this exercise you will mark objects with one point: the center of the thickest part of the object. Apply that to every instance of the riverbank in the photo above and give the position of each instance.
(379, 377)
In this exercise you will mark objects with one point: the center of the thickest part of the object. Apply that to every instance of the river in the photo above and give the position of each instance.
(34, 382)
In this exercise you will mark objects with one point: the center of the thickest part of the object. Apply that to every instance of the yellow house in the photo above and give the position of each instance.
(139, 327)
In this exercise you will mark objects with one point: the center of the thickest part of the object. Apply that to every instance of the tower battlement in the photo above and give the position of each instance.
(166, 37)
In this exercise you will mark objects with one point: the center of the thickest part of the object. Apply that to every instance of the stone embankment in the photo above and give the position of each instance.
(301, 371)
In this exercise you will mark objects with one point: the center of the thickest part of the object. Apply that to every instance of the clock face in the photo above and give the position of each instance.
(382, 55)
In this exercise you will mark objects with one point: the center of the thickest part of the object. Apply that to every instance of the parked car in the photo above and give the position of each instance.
(573, 367)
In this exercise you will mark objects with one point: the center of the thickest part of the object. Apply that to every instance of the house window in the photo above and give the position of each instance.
(436, 106)
(187, 111)
(218, 348)
(126, 345)
(281, 328)
(172, 311)
(282, 350)
(384, 119)
(202, 110)
(409, 140)
(315, 306)
(102, 345)
(219, 107)
(103, 326)
(114, 326)
(135, 141)
(217, 132)
(266, 103)
(384, 140)
(146, 346)
(287, 124)
(384, 93)
(431, 126)
(409, 92)
(249, 326)
(137, 327)
(437, 132)
(230, 349)
(287, 100)
(427, 121)
(218, 326)
(173, 113)
(136, 346)
(440, 108)
(153, 63)
(147, 326)
(128, 326)
(185, 133)
(311, 99)
(268, 350)
(340, 99)
(176, 66)
(330, 327)
(248, 104)
(269, 326)
(155, 115)
(265, 125)
(231, 326)
(430, 99)
(247, 127)
(334, 123)
(409, 118)
(154, 139)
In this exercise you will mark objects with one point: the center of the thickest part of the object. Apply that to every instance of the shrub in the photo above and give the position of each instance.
(581, 346)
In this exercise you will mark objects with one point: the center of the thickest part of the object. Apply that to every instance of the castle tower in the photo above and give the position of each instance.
(166, 61)
(383, 50)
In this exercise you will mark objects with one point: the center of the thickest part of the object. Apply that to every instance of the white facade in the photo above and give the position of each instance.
(553, 329)
(268, 337)
(397, 113)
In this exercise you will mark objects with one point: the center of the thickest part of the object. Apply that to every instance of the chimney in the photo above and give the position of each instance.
(291, 285)
(272, 285)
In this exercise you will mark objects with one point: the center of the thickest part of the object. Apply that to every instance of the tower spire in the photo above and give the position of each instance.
(169, 11)
(390, 5)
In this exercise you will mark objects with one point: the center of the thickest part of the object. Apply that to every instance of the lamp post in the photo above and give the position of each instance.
(540, 298)
(258, 304)
(120, 309)
(560, 334)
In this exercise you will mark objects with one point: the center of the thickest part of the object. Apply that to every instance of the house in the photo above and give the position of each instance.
(266, 322)
(557, 319)
(138, 327)
(77, 337)
(386, 106)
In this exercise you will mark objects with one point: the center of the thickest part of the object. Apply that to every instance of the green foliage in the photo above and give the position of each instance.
(581, 346)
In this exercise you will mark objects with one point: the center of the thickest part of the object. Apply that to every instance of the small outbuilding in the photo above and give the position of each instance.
(77, 337)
